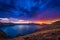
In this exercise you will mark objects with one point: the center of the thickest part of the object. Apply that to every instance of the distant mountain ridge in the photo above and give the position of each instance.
(57, 23)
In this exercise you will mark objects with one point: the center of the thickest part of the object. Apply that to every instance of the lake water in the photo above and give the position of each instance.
(15, 30)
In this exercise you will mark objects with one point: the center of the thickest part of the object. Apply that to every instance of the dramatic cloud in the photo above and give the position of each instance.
(30, 9)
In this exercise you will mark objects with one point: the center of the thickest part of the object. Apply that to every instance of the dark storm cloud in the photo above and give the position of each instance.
(23, 7)
(28, 9)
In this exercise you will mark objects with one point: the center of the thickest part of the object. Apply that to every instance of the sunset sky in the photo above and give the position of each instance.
(33, 10)
(27, 11)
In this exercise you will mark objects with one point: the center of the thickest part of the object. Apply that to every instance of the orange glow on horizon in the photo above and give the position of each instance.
(6, 20)
(46, 21)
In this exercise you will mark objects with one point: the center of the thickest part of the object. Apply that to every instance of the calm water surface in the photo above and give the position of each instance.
(15, 30)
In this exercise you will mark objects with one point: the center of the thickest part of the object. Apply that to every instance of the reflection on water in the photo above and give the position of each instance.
(15, 30)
